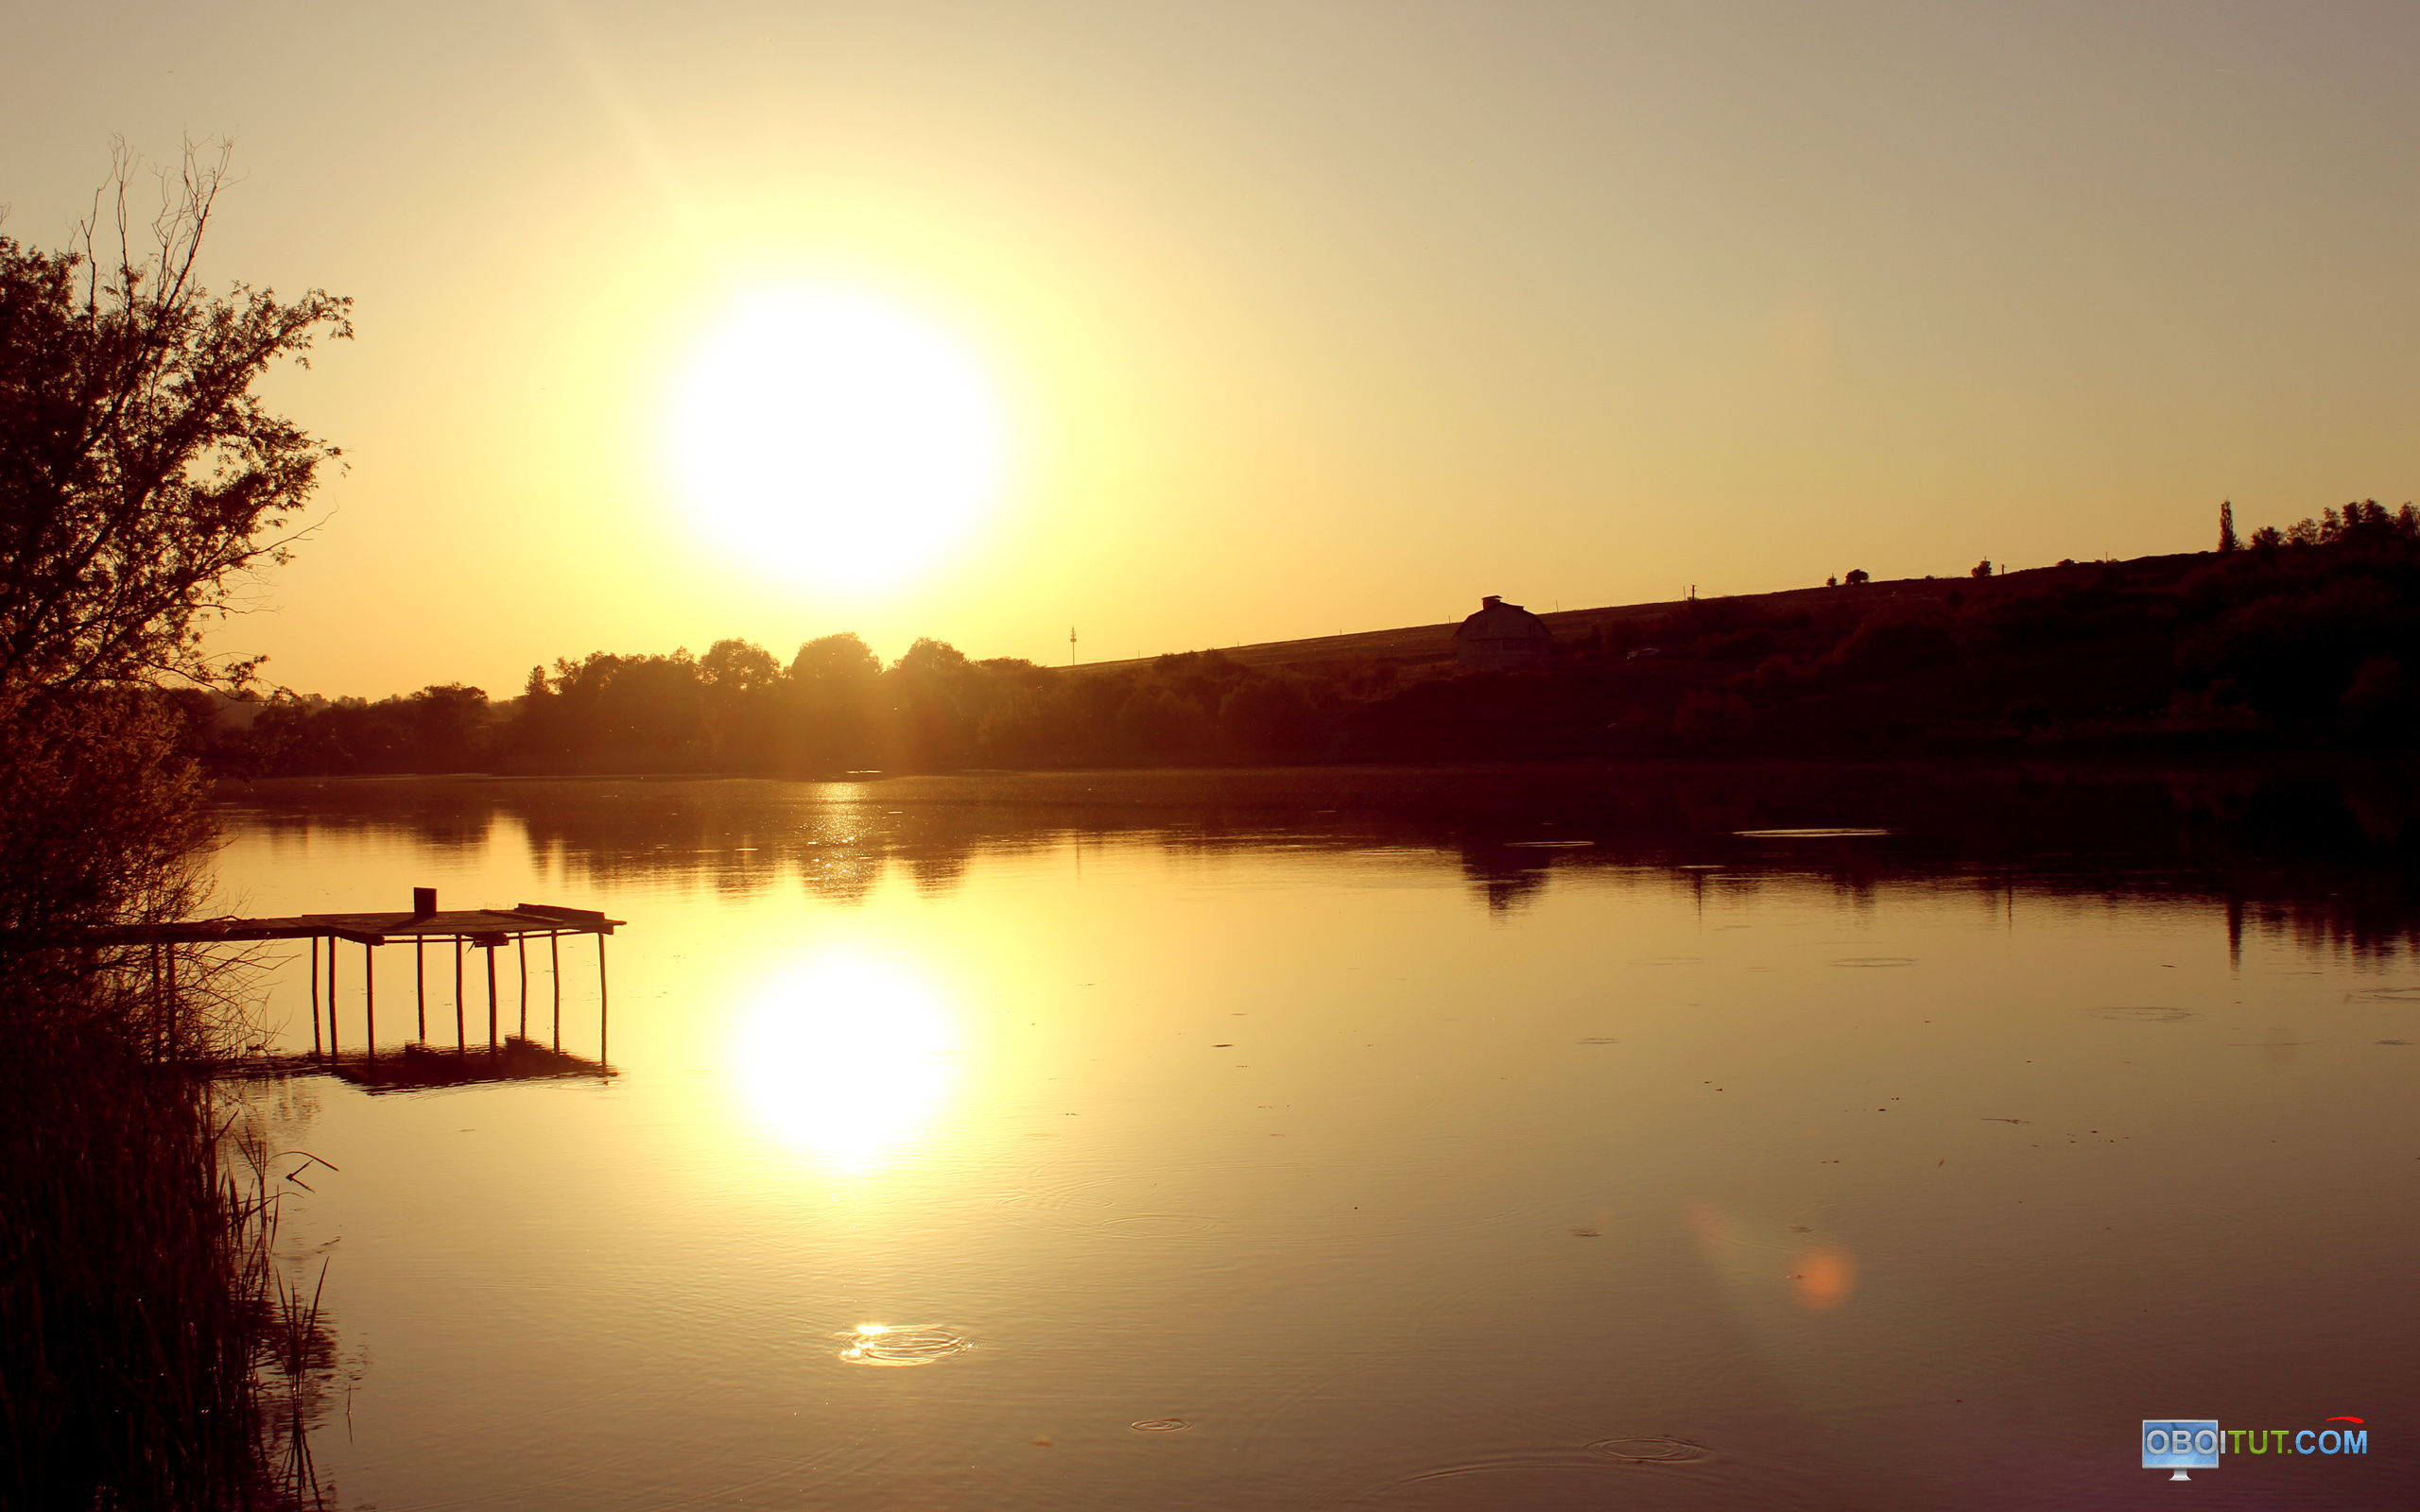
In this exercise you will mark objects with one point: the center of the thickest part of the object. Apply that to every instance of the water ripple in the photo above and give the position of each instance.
(1657, 1450)
(883, 1344)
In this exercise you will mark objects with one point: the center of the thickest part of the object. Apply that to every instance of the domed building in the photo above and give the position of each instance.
(1503, 635)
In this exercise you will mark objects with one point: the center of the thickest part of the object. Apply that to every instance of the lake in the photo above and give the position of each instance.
(1528, 1137)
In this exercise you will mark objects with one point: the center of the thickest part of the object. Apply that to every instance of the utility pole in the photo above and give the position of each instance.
(1071, 645)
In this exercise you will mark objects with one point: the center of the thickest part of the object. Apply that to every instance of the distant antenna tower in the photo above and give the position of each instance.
(1071, 645)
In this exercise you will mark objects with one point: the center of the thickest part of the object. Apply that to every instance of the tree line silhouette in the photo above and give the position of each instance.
(835, 706)
(2301, 636)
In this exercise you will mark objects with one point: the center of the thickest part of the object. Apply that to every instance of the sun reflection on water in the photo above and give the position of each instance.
(883, 1343)
(846, 1058)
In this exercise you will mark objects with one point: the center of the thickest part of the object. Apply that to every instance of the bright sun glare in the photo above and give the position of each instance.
(831, 437)
(845, 1059)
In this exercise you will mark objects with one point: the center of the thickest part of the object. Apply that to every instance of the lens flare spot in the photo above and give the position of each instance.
(1823, 1278)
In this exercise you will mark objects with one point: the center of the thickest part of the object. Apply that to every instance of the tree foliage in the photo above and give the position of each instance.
(142, 479)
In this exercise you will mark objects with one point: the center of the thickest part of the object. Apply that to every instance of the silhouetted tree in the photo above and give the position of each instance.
(140, 475)
(738, 667)
(743, 684)
(1981, 569)
(2226, 526)
(448, 726)
(832, 702)
(938, 700)
(1856, 576)
(833, 658)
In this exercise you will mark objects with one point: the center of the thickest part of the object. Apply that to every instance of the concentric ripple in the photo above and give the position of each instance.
(1161, 1425)
(1653, 1451)
(883, 1343)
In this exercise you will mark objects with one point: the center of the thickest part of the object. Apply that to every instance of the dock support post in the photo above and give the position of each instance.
(600, 1000)
(332, 997)
(490, 950)
(369, 999)
(315, 994)
(420, 985)
(521, 943)
(555, 974)
(462, 1041)
(168, 1005)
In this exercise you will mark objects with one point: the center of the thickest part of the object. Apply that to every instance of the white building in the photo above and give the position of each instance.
(1503, 635)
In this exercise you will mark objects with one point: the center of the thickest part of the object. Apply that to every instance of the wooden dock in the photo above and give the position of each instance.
(481, 926)
(489, 930)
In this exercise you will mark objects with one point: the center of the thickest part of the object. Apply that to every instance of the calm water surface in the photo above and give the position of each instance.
(1371, 1140)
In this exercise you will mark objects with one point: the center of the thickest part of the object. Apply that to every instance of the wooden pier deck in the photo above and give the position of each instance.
(480, 926)
(424, 924)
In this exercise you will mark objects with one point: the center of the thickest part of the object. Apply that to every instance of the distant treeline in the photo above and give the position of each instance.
(2302, 638)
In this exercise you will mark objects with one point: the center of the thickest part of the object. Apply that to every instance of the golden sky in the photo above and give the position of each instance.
(1294, 317)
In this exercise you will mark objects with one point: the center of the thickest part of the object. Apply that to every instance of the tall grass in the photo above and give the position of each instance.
(150, 1354)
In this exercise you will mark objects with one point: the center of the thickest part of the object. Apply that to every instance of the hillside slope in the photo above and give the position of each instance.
(1431, 647)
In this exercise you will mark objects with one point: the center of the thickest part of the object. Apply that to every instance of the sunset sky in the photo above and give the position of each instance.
(1245, 321)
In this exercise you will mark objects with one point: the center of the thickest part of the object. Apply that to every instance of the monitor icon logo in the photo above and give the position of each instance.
(2180, 1444)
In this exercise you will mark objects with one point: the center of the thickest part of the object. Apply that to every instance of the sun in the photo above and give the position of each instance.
(829, 437)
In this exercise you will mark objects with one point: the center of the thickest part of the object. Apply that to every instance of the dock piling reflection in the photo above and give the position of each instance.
(370, 998)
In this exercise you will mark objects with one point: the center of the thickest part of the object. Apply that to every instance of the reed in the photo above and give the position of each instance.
(151, 1354)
